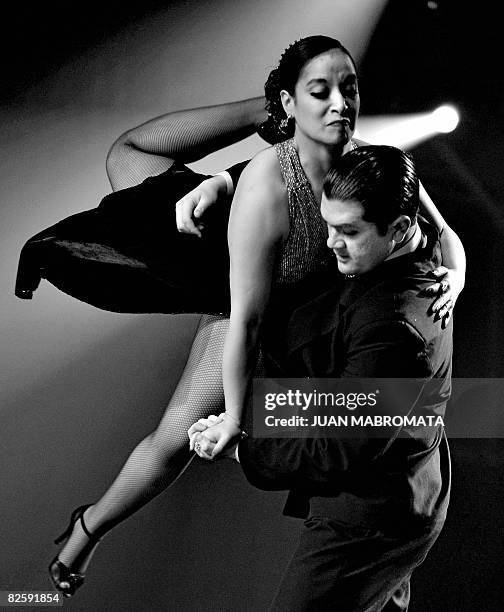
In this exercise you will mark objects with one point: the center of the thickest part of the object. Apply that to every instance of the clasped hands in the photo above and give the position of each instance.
(215, 437)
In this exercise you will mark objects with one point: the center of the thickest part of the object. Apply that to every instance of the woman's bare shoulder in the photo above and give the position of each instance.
(261, 195)
(264, 172)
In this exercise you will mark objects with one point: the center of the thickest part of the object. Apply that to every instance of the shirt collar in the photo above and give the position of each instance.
(409, 246)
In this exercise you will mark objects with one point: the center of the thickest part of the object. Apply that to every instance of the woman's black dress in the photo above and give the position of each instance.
(126, 255)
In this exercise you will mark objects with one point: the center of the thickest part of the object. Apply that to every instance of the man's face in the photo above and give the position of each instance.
(356, 243)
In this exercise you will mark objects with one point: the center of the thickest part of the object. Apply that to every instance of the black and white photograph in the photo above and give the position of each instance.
(251, 282)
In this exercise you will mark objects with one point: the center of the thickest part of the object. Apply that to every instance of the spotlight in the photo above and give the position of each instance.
(445, 119)
(406, 131)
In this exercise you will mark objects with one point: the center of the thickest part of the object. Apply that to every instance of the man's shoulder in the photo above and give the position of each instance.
(393, 305)
(397, 300)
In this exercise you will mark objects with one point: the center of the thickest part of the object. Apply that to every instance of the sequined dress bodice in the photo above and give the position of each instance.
(306, 266)
(305, 250)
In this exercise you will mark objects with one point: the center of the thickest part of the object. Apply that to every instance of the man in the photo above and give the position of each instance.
(375, 505)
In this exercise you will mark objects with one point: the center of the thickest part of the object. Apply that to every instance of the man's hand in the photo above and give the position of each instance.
(215, 437)
(191, 207)
(201, 426)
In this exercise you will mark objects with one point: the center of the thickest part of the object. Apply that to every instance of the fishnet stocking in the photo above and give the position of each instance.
(186, 136)
(164, 454)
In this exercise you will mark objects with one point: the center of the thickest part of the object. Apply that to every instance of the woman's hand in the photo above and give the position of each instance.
(190, 208)
(447, 291)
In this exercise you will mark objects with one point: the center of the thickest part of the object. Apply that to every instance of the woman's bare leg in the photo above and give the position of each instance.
(164, 454)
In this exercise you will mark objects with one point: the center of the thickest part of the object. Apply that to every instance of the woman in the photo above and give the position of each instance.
(278, 252)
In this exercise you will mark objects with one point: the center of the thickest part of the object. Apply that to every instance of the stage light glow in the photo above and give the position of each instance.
(406, 131)
(446, 118)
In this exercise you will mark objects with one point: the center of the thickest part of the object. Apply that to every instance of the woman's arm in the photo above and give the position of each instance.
(186, 136)
(259, 222)
(452, 272)
(451, 245)
(454, 260)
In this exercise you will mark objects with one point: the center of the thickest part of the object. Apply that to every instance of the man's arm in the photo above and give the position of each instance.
(388, 349)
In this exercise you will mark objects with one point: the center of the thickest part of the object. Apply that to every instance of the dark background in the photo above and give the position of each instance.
(213, 542)
(418, 59)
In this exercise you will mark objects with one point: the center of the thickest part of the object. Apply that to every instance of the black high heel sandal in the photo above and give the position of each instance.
(64, 580)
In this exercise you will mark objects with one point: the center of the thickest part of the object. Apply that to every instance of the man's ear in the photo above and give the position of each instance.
(287, 102)
(400, 228)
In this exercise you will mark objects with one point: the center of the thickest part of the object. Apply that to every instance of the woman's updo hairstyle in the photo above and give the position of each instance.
(285, 76)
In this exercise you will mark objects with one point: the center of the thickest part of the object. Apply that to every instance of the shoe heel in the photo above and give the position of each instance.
(76, 515)
(63, 578)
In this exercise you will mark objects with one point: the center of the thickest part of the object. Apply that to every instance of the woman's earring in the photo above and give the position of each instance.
(284, 124)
